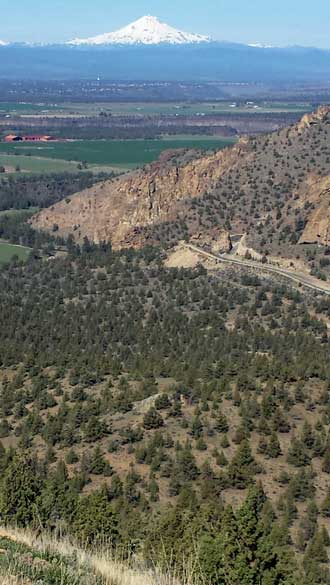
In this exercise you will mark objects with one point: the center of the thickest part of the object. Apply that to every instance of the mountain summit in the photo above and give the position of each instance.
(148, 30)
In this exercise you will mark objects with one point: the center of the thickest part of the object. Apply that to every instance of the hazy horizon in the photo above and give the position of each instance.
(279, 23)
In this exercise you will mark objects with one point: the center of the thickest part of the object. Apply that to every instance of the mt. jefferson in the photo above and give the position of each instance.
(148, 30)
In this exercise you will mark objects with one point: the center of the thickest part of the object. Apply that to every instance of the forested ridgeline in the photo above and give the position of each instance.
(139, 403)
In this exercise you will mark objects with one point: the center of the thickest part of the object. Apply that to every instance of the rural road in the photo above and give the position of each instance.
(297, 277)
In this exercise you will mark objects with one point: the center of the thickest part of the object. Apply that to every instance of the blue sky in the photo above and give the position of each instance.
(278, 22)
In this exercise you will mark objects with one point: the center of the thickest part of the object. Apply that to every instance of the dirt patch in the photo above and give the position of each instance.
(183, 257)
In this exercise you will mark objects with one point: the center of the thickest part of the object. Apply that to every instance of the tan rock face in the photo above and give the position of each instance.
(321, 115)
(222, 245)
(115, 209)
(242, 179)
(219, 239)
(317, 229)
(243, 250)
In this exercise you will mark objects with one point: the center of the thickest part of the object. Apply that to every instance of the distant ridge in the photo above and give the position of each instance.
(164, 57)
(148, 30)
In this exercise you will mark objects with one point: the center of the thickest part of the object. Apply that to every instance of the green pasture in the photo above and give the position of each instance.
(113, 153)
(35, 163)
(22, 108)
(155, 108)
(181, 108)
(8, 251)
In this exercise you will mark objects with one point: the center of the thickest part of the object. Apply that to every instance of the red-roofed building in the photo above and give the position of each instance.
(31, 138)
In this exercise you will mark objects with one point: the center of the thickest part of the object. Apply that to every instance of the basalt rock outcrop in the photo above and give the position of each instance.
(317, 230)
(274, 188)
(116, 209)
(321, 116)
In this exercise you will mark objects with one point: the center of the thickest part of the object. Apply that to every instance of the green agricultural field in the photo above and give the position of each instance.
(154, 108)
(35, 164)
(23, 108)
(112, 153)
(204, 139)
(205, 108)
(178, 108)
(8, 251)
(23, 214)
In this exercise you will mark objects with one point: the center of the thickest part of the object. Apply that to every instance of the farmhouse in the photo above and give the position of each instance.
(13, 138)
(32, 138)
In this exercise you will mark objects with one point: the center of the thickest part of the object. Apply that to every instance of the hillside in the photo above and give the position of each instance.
(274, 189)
(116, 210)
(150, 399)
(167, 409)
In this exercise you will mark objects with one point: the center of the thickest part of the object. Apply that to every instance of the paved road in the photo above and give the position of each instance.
(297, 277)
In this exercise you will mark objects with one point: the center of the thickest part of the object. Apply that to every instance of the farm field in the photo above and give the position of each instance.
(121, 154)
(154, 108)
(17, 212)
(189, 109)
(8, 251)
(35, 164)
(22, 108)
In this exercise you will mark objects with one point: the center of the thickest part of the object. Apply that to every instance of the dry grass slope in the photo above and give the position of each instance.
(22, 551)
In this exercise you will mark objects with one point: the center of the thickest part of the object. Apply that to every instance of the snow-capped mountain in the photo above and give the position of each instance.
(3, 44)
(148, 30)
(260, 46)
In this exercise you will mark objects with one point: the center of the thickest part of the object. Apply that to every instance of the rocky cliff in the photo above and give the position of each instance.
(321, 116)
(115, 209)
(266, 187)
(317, 229)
